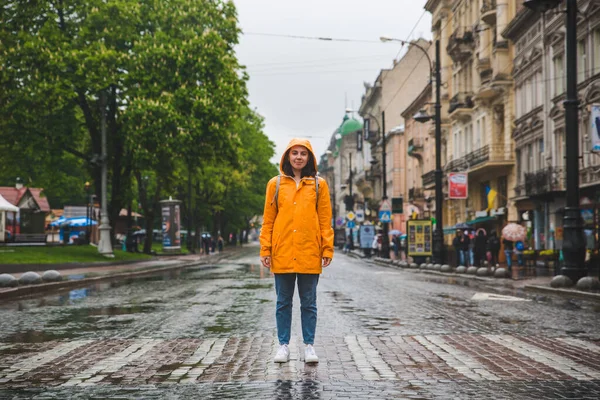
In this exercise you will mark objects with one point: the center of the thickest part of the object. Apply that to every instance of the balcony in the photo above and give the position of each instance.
(461, 44)
(520, 190)
(461, 105)
(545, 181)
(488, 12)
(590, 175)
(482, 160)
(416, 194)
(429, 180)
(415, 147)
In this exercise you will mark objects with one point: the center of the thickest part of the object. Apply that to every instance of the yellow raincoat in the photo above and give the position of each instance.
(297, 236)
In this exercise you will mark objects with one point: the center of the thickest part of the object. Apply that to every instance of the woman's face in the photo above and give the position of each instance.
(298, 157)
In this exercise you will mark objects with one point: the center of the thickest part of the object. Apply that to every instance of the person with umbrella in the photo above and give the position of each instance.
(511, 233)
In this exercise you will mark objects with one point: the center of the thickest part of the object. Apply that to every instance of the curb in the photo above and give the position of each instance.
(563, 292)
(18, 268)
(44, 288)
(504, 282)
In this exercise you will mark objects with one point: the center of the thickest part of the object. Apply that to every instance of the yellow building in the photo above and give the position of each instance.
(477, 107)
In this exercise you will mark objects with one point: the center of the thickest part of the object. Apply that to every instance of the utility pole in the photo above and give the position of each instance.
(438, 238)
(385, 241)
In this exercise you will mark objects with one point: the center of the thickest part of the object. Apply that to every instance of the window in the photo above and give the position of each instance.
(596, 50)
(469, 138)
(518, 102)
(559, 76)
(530, 158)
(581, 60)
(519, 167)
(540, 154)
(483, 192)
(502, 196)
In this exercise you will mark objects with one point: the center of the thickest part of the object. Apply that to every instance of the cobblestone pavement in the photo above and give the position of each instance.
(209, 333)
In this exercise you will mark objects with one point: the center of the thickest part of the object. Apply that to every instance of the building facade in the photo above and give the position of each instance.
(539, 74)
(477, 106)
(381, 108)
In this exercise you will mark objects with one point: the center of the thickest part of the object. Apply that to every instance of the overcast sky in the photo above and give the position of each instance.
(302, 87)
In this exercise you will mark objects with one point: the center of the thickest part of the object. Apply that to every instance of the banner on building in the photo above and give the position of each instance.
(366, 128)
(419, 236)
(458, 185)
(595, 127)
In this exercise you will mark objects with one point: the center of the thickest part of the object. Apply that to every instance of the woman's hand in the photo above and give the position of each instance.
(266, 261)
(326, 261)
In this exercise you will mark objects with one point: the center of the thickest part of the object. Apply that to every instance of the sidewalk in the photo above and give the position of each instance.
(82, 276)
(529, 284)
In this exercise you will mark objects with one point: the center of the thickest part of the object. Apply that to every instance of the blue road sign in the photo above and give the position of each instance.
(385, 216)
(350, 224)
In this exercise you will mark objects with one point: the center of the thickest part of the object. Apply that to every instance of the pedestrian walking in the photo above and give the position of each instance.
(480, 247)
(493, 247)
(220, 243)
(461, 247)
(508, 252)
(296, 242)
(375, 245)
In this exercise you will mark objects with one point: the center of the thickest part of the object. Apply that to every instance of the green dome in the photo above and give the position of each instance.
(350, 125)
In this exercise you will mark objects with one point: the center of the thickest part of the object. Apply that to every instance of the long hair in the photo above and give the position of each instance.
(308, 170)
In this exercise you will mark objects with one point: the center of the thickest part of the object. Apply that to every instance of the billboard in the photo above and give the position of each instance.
(419, 237)
(458, 185)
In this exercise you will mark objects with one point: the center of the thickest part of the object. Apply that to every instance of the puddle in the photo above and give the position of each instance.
(218, 329)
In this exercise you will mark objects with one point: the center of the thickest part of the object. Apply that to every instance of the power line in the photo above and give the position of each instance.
(321, 38)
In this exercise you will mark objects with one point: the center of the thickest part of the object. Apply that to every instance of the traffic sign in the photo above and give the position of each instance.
(385, 206)
(350, 224)
(350, 215)
(385, 216)
(339, 221)
(360, 215)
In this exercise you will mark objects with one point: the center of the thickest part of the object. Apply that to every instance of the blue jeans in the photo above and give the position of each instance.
(307, 290)
(508, 254)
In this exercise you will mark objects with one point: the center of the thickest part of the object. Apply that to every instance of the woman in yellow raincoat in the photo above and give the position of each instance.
(296, 241)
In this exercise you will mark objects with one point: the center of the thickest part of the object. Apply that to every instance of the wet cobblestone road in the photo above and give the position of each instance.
(209, 333)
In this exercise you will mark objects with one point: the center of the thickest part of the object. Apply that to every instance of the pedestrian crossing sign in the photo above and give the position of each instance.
(385, 216)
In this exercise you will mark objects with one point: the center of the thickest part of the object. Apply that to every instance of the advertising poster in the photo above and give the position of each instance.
(595, 128)
(419, 236)
(171, 224)
(367, 234)
(458, 185)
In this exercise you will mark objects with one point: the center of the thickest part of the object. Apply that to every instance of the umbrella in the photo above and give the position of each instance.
(514, 232)
(395, 232)
(6, 206)
(480, 230)
(462, 225)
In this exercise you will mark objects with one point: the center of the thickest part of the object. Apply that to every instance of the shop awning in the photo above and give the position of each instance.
(480, 219)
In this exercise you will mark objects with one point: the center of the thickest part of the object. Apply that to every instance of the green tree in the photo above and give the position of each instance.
(168, 70)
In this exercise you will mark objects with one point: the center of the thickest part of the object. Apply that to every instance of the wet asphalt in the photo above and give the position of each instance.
(232, 302)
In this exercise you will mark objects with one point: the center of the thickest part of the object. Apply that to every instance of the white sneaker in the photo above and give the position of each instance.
(283, 354)
(309, 354)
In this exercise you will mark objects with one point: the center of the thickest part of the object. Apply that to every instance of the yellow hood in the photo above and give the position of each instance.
(297, 142)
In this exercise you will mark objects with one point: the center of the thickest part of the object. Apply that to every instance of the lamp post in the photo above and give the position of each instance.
(349, 201)
(421, 116)
(104, 245)
(573, 243)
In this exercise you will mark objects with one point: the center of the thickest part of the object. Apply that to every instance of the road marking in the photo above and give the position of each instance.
(498, 297)
(216, 349)
(454, 358)
(368, 360)
(113, 363)
(582, 344)
(552, 360)
(31, 363)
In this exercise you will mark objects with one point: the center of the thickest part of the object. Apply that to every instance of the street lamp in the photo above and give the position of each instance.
(421, 116)
(573, 243)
